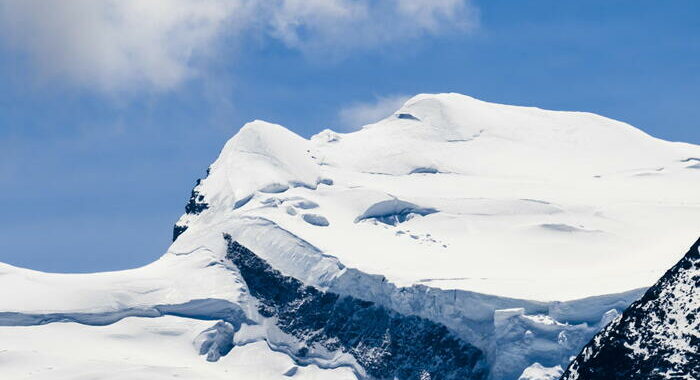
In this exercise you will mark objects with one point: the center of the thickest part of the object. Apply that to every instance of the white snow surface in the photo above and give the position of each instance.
(539, 372)
(138, 349)
(534, 204)
(523, 230)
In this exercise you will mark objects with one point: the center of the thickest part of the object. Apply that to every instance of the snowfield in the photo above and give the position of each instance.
(523, 231)
(138, 349)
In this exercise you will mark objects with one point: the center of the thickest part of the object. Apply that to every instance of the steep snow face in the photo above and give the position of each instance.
(456, 193)
(658, 337)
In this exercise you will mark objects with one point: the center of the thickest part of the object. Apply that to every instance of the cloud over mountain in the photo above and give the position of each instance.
(112, 45)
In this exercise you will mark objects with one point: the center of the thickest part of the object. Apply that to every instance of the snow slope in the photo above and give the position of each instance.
(138, 349)
(522, 231)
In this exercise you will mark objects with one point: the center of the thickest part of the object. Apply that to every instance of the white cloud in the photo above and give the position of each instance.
(113, 44)
(121, 44)
(357, 115)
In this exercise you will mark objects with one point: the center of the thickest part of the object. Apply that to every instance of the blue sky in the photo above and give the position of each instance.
(105, 125)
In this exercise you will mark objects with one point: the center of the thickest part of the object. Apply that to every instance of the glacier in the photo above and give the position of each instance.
(521, 232)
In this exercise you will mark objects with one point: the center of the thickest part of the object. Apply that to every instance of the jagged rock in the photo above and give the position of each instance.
(657, 337)
(194, 206)
(385, 343)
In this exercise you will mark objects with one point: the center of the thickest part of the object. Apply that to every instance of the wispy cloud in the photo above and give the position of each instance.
(356, 115)
(112, 45)
(339, 26)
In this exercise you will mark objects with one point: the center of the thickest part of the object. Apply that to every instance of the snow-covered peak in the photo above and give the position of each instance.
(486, 224)
(517, 195)
(457, 113)
(452, 113)
(261, 156)
(465, 135)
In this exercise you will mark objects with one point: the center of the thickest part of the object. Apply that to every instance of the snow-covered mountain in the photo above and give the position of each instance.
(657, 337)
(553, 197)
(496, 239)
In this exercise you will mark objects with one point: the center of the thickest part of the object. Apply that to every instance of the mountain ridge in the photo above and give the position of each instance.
(521, 167)
(430, 214)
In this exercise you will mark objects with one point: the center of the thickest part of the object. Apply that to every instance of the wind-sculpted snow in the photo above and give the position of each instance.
(386, 344)
(315, 219)
(216, 341)
(657, 337)
(204, 309)
(406, 116)
(141, 349)
(394, 211)
(424, 171)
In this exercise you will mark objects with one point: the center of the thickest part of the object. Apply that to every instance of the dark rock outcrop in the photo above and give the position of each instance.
(657, 337)
(196, 203)
(194, 206)
(385, 343)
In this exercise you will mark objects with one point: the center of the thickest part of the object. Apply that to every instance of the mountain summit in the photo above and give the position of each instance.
(455, 239)
(523, 202)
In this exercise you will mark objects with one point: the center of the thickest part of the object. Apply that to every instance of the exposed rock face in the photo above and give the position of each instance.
(385, 343)
(194, 206)
(196, 203)
(657, 337)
